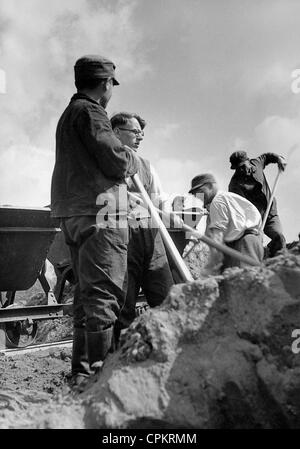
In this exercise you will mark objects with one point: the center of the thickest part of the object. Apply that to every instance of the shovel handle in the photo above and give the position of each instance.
(224, 248)
(219, 246)
(181, 266)
(270, 201)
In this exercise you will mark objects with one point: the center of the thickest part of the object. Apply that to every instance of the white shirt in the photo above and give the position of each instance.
(232, 214)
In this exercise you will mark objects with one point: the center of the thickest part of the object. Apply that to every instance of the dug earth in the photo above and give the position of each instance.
(218, 353)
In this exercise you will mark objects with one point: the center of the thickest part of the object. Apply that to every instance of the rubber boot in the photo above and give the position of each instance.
(80, 363)
(99, 344)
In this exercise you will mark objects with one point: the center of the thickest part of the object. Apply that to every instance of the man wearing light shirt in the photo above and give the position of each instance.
(147, 260)
(232, 220)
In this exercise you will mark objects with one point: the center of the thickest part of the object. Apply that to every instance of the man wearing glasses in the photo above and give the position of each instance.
(91, 162)
(148, 266)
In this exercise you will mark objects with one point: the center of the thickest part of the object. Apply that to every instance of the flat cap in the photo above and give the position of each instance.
(200, 180)
(237, 158)
(93, 67)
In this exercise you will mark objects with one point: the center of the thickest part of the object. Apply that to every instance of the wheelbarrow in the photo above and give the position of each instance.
(26, 235)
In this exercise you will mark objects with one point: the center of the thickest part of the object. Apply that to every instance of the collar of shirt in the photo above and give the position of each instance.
(80, 96)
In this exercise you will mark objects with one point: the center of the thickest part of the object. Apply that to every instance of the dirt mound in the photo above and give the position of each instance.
(197, 258)
(39, 372)
(216, 354)
(30, 383)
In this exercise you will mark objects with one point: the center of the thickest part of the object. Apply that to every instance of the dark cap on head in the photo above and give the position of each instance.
(200, 180)
(94, 67)
(237, 158)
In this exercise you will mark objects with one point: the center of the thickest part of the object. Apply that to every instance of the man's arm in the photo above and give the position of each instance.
(215, 260)
(115, 160)
(272, 158)
(217, 226)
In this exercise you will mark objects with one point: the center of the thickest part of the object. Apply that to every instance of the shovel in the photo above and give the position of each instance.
(181, 266)
(185, 273)
(270, 200)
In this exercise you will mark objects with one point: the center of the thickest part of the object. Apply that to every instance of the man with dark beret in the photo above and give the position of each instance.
(250, 182)
(88, 183)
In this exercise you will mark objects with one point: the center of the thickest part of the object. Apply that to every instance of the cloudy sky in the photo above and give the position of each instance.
(209, 77)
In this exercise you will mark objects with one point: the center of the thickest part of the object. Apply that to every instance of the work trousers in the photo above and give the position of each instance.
(250, 245)
(148, 268)
(99, 261)
(273, 230)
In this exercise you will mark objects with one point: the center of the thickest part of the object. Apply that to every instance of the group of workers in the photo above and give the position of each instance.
(114, 251)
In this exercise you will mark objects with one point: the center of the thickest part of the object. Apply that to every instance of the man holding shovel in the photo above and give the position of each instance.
(250, 182)
(232, 220)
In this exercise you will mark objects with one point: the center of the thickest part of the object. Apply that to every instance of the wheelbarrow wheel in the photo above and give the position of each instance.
(20, 334)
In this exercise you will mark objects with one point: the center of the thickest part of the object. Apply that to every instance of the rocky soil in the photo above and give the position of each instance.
(216, 354)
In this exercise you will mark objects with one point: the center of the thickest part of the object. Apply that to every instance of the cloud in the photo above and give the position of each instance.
(269, 79)
(238, 144)
(39, 43)
(25, 176)
(281, 135)
(175, 172)
(166, 131)
(2, 82)
(278, 134)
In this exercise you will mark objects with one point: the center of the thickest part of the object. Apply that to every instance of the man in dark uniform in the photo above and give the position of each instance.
(90, 170)
(250, 182)
(147, 260)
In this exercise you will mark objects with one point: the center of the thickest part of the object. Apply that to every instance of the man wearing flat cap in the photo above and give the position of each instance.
(250, 182)
(232, 220)
(90, 169)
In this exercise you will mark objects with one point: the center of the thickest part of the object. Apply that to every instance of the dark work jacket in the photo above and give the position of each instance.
(261, 194)
(91, 163)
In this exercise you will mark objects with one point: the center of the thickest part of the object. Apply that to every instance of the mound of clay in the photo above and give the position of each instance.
(197, 258)
(216, 354)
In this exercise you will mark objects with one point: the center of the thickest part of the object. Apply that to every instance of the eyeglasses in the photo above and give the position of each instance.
(137, 132)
